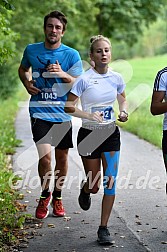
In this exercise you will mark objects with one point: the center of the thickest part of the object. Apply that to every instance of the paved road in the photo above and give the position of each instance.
(138, 222)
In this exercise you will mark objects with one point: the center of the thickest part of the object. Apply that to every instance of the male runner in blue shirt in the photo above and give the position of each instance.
(54, 67)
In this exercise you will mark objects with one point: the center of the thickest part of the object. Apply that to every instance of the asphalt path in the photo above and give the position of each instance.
(138, 220)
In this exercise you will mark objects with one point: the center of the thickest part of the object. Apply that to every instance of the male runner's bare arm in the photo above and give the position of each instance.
(26, 79)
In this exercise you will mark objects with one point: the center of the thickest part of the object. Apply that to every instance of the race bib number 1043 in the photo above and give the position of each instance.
(47, 95)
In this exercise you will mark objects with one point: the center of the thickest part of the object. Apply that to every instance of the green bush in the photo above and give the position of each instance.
(8, 81)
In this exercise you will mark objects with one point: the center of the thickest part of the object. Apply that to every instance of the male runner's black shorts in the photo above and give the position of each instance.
(91, 146)
(57, 134)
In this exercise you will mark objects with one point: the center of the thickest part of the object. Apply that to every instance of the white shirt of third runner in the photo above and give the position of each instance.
(98, 92)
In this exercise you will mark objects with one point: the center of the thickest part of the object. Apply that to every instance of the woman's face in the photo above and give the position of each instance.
(101, 54)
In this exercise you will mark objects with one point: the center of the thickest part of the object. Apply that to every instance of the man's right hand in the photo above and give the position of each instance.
(31, 89)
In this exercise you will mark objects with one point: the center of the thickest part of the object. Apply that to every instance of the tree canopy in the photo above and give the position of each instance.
(119, 20)
(125, 20)
(8, 36)
(116, 19)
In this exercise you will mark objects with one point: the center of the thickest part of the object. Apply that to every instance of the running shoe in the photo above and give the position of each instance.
(84, 199)
(42, 210)
(104, 237)
(58, 209)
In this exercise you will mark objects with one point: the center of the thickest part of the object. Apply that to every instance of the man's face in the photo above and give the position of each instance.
(53, 31)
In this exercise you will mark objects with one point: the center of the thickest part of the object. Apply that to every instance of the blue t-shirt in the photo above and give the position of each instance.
(49, 103)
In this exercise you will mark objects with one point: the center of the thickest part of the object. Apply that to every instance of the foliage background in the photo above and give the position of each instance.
(135, 27)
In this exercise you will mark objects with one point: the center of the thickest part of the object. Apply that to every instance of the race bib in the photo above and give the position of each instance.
(107, 112)
(47, 94)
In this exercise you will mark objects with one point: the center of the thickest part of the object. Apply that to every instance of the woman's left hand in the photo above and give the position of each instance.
(123, 116)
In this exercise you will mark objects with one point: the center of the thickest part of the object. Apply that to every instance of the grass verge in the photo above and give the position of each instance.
(139, 75)
(10, 215)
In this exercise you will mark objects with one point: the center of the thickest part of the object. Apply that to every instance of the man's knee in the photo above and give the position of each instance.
(61, 157)
(45, 161)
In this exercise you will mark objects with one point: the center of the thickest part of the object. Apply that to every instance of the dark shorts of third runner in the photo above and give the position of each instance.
(112, 143)
(164, 142)
(57, 134)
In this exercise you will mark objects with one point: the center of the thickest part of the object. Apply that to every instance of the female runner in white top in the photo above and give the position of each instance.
(99, 137)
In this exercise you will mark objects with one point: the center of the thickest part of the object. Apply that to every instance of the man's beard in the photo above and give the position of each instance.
(52, 42)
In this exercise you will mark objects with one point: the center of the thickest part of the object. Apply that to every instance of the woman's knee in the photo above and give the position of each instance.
(94, 189)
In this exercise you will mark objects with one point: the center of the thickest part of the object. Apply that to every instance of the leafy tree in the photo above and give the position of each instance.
(31, 14)
(153, 41)
(124, 20)
(8, 36)
(7, 4)
(116, 19)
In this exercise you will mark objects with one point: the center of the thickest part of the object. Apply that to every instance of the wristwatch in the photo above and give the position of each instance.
(124, 112)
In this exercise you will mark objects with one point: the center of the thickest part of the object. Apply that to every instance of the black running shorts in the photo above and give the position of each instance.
(57, 134)
(164, 142)
(91, 146)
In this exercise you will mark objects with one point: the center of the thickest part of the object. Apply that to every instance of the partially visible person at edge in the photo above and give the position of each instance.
(159, 106)
(99, 138)
(54, 69)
